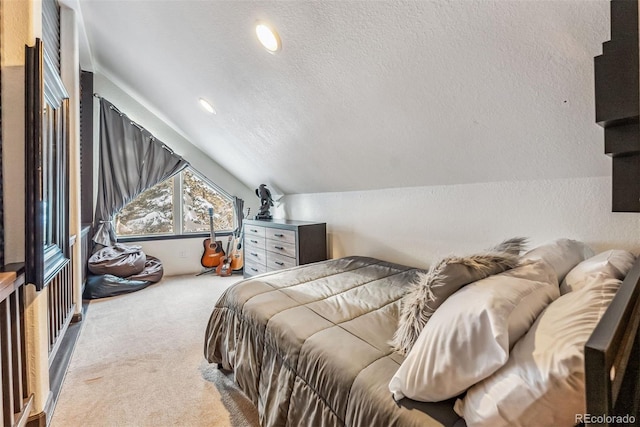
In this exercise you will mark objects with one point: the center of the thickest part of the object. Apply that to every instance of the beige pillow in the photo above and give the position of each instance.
(615, 263)
(543, 381)
(442, 280)
(562, 255)
(470, 336)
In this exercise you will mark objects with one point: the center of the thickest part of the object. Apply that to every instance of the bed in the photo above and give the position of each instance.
(310, 346)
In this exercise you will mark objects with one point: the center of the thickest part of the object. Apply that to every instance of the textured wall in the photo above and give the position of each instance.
(418, 225)
(424, 93)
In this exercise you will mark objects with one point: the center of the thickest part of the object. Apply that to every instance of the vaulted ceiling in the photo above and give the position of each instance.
(366, 94)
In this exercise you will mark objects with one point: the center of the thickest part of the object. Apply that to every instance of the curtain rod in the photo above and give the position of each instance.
(131, 122)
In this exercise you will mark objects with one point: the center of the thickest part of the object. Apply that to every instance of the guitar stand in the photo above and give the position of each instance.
(207, 271)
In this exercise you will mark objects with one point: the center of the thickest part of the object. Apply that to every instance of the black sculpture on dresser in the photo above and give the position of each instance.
(265, 202)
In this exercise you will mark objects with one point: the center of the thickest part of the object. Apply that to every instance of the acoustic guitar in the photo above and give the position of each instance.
(224, 267)
(237, 254)
(213, 252)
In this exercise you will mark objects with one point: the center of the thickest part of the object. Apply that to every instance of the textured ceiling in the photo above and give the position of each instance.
(367, 94)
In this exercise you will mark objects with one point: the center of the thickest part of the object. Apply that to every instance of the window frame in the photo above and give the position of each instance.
(178, 211)
(47, 169)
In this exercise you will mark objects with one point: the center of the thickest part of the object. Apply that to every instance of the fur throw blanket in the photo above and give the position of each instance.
(444, 278)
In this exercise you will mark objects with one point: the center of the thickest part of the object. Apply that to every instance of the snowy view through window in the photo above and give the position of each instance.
(198, 197)
(152, 212)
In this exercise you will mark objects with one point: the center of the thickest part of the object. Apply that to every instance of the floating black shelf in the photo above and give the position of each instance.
(617, 91)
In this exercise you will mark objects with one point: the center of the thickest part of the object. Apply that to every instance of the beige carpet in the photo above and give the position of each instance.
(139, 362)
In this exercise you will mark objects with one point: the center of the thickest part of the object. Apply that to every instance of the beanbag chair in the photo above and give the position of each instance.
(108, 285)
(151, 272)
(120, 269)
(119, 260)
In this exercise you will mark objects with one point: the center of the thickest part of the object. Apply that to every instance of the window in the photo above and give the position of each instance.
(177, 206)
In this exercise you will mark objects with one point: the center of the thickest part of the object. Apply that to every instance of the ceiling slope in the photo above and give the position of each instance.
(367, 94)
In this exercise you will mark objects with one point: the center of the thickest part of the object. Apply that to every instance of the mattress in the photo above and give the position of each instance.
(310, 345)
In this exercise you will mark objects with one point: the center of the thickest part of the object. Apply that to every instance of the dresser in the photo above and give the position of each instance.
(271, 245)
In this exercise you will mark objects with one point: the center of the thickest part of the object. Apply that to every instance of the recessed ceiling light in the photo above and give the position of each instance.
(207, 106)
(268, 37)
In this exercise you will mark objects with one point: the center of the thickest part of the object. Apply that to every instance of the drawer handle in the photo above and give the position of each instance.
(279, 235)
(254, 241)
(279, 248)
(279, 262)
(253, 253)
(254, 269)
(253, 230)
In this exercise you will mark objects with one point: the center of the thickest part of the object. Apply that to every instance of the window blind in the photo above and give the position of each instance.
(51, 31)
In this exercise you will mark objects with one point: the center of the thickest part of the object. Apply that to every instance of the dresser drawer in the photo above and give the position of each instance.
(282, 248)
(278, 262)
(257, 255)
(254, 230)
(286, 236)
(252, 268)
(256, 241)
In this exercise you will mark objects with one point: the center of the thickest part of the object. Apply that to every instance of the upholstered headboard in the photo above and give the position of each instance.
(612, 359)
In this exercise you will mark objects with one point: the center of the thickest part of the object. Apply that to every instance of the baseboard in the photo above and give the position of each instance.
(60, 363)
(37, 420)
(42, 419)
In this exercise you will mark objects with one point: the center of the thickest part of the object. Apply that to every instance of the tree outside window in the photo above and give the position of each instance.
(198, 197)
(179, 205)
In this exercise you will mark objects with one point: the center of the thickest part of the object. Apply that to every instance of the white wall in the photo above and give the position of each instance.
(417, 226)
(179, 256)
(20, 26)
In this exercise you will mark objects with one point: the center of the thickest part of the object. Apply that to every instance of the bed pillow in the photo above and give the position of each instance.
(469, 336)
(562, 255)
(615, 263)
(543, 381)
(444, 278)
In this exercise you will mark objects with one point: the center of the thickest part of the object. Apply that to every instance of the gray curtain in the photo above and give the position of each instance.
(238, 204)
(131, 161)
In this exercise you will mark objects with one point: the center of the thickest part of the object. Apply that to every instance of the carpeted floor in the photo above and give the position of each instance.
(139, 362)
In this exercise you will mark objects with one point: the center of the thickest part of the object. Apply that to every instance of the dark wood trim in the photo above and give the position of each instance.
(46, 185)
(85, 252)
(626, 182)
(612, 359)
(622, 140)
(172, 237)
(86, 146)
(34, 88)
(37, 420)
(618, 103)
(285, 224)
